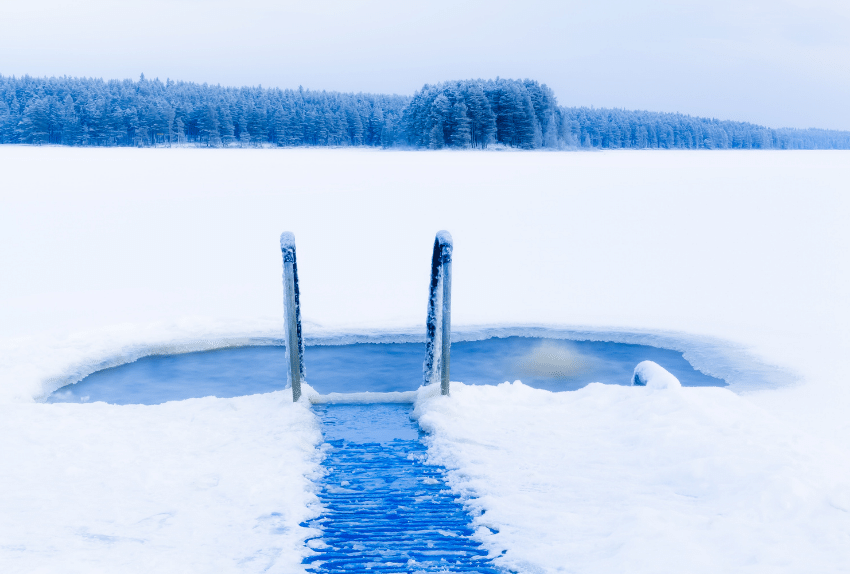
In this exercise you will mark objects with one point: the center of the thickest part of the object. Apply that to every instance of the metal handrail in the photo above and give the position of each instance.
(438, 329)
(439, 324)
(292, 314)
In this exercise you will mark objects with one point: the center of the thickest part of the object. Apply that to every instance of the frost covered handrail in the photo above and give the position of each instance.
(292, 315)
(438, 333)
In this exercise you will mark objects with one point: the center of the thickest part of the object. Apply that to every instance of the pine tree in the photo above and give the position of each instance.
(462, 134)
(245, 106)
(279, 123)
(527, 130)
(376, 125)
(130, 121)
(225, 124)
(257, 125)
(34, 126)
(14, 120)
(179, 136)
(71, 129)
(483, 124)
(355, 126)
(440, 121)
(170, 118)
(388, 133)
(295, 132)
(116, 128)
(5, 123)
(506, 108)
(208, 127)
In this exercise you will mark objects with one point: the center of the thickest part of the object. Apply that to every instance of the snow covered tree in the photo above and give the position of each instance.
(355, 126)
(461, 132)
(225, 124)
(35, 124)
(6, 128)
(483, 121)
(179, 131)
(517, 113)
(208, 127)
(440, 121)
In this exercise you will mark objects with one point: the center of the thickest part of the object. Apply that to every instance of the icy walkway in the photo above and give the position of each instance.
(387, 511)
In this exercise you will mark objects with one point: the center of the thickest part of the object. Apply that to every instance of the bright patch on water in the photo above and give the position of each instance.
(551, 364)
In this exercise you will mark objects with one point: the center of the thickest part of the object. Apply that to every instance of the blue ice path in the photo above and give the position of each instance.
(551, 364)
(385, 509)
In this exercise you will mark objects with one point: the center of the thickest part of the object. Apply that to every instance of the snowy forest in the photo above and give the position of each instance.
(520, 114)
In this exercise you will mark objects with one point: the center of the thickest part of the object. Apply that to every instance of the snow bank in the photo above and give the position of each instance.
(652, 375)
(625, 479)
(203, 485)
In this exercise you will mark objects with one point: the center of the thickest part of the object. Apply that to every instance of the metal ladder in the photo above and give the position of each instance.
(438, 329)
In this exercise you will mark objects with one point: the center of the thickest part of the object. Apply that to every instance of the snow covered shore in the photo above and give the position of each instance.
(634, 479)
(738, 258)
(203, 485)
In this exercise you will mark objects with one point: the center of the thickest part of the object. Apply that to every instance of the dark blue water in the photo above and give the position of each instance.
(385, 510)
(552, 364)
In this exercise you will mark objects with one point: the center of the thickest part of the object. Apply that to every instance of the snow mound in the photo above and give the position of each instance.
(652, 375)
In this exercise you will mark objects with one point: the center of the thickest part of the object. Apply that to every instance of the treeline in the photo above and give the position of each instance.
(462, 114)
(90, 112)
(615, 129)
(525, 114)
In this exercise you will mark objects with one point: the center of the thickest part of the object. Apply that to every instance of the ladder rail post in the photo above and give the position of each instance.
(438, 330)
(292, 314)
(446, 323)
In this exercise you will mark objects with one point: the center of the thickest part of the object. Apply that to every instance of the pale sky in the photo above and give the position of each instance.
(773, 62)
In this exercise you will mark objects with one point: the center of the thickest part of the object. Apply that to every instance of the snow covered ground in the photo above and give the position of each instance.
(631, 479)
(737, 258)
(202, 485)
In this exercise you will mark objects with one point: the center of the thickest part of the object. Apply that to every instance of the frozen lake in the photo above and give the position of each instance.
(736, 258)
(551, 364)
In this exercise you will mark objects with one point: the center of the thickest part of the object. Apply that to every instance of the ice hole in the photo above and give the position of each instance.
(551, 364)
